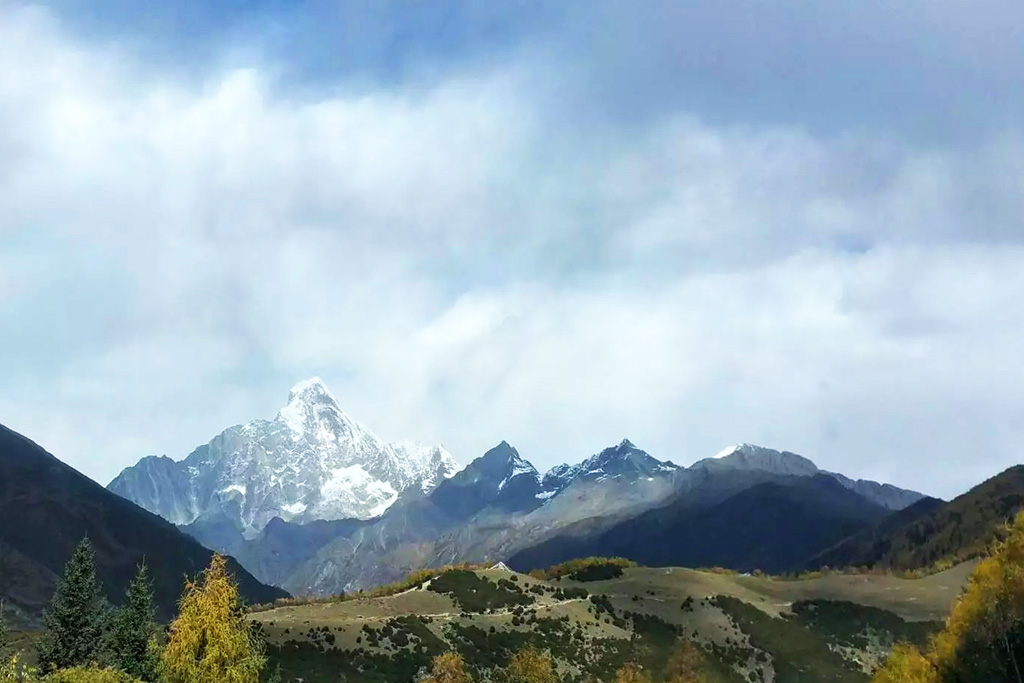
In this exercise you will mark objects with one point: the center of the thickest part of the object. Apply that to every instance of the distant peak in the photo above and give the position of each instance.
(312, 387)
(503, 451)
(626, 443)
(750, 456)
(727, 451)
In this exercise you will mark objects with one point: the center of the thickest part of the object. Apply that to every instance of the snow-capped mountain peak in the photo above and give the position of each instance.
(622, 461)
(312, 388)
(312, 461)
(518, 467)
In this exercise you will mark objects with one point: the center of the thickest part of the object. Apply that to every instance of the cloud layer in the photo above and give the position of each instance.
(473, 257)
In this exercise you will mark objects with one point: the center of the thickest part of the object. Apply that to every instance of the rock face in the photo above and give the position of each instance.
(620, 500)
(497, 505)
(311, 462)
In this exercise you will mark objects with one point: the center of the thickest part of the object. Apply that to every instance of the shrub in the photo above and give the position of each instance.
(585, 569)
(89, 675)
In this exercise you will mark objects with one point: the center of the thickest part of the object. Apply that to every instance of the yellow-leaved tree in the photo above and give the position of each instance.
(983, 640)
(89, 674)
(905, 665)
(687, 664)
(212, 641)
(448, 668)
(632, 673)
(530, 666)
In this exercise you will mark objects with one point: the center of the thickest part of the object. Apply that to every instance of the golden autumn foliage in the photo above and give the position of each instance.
(687, 664)
(983, 639)
(530, 666)
(81, 674)
(448, 668)
(11, 671)
(905, 665)
(211, 641)
(632, 673)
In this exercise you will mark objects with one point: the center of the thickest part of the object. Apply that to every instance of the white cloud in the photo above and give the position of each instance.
(461, 267)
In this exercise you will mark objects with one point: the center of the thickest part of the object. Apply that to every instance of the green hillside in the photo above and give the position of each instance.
(828, 628)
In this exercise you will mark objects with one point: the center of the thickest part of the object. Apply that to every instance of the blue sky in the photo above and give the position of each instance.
(559, 224)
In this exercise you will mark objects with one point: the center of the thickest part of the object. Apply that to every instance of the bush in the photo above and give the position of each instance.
(89, 675)
(585, 569)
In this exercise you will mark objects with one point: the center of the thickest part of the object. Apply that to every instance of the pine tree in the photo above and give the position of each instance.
(211, 641)
(74, 619)
(133, 639)
(3, 627)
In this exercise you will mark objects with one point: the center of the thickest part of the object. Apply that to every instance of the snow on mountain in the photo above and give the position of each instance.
(312, 461)
(624, 461)
(517, 467)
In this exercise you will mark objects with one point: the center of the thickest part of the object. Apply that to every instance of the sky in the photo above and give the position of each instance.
(563, 224)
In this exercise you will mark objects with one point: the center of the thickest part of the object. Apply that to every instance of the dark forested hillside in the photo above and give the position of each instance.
(46, 507)
(931, 532)
(773, 526)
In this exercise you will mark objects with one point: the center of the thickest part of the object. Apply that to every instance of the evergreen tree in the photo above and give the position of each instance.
(3, 627)
(211, 641)
(74, 619)
(133, 638)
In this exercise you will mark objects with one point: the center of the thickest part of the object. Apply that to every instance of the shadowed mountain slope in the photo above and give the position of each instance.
(46, 508)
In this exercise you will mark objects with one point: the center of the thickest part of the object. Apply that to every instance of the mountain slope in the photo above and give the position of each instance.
(499, 507)
(747, 456)
(772, 526)
(496, 505)
(932, 531)
(312, 462)
(46, 508)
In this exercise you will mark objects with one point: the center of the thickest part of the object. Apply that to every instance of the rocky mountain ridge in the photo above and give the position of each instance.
(311, 462)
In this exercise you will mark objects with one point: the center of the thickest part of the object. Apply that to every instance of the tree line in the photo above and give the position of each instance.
(531, 665)
(983, 638)
(86, 641)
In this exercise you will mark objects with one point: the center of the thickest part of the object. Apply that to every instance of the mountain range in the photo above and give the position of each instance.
(311, 462)
(269, 494)
(46, 508)
(315, 503)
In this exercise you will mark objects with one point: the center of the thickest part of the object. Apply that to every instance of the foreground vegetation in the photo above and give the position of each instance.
(585, 621)
(983, 639)
(87, 641)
